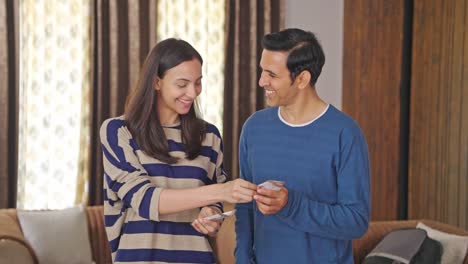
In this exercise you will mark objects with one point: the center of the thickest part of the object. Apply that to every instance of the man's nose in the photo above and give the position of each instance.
(262, 81)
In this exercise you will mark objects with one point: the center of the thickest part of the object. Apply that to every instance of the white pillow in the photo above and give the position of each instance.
(57, 236)
(454, 246)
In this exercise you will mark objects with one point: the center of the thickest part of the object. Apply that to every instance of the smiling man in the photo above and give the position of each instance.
(319, 152)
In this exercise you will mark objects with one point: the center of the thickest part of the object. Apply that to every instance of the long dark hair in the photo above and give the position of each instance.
(141, 111)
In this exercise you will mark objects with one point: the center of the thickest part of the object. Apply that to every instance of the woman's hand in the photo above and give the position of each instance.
(207, 227)
(239, 191)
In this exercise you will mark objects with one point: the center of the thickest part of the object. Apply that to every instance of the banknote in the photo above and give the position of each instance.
(272, 185)
(220, 216)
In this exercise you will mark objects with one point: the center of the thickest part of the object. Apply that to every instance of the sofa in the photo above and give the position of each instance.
(14, 247)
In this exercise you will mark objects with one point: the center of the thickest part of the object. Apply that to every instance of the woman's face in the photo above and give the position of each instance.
(178, 89)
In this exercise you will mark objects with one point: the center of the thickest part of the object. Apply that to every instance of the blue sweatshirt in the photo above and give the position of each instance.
(325, 165)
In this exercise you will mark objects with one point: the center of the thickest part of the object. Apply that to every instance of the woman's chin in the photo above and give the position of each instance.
(183, 111)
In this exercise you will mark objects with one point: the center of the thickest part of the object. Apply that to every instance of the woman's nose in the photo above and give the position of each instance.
(192, 91)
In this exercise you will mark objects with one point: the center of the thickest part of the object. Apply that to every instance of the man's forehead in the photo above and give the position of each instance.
(272, 58)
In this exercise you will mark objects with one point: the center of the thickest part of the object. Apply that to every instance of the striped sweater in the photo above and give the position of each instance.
(133, 182)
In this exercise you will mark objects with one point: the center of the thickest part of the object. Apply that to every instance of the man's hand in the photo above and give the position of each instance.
(271, 202)
(207, 227)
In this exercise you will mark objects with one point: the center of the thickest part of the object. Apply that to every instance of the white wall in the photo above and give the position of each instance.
(325, 19)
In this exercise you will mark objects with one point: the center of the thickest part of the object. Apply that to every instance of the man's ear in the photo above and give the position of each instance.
(303, 79)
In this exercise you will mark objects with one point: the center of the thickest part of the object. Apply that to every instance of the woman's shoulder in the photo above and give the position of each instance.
(211, 128)
(112, 124)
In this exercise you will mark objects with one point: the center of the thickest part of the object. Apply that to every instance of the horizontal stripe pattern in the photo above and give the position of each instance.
(178, 172)
(161, 227)
(170, 256)
(166, 241)
(132, 184)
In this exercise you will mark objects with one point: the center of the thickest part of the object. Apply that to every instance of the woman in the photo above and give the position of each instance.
(164, 166)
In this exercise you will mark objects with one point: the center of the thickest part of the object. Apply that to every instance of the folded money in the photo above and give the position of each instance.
(220, 216)
(272, 185)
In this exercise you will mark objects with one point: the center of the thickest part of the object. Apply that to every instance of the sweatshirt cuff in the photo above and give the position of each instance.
(154, 209)
(289, 207)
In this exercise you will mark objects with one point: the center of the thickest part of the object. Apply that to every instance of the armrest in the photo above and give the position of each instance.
(12, 251)
(13, 246)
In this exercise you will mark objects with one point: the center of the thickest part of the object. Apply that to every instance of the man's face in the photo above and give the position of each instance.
(275, 79)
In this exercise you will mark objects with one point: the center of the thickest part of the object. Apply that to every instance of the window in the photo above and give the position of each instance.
(54, 78)
(202, 24)
(55, 70)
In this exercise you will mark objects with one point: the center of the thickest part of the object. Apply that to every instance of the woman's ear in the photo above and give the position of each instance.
(303, 79)
(157, 84)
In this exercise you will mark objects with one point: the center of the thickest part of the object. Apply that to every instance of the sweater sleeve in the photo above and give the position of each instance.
(219, 173)
(348, 218)
(125, 178)
(244, 211)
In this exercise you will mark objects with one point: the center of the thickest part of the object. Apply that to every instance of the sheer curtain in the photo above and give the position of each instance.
(202, 24)
(54, 79)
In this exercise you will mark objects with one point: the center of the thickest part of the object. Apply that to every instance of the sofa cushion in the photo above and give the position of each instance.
(454, 247)
(57, 236)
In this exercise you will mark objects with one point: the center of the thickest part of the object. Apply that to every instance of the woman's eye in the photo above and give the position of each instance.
(181, 85)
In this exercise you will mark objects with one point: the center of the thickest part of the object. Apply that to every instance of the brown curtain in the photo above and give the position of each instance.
(124, 33)
(246, 23)
(9, 88)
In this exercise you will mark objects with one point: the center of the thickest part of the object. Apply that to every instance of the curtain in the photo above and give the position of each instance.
(247, 22)
(124, 33)
(55, 69)
(9, 89)
(206, 35)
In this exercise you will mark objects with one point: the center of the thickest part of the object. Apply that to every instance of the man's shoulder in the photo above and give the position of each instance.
(261, 116)
(342, 120)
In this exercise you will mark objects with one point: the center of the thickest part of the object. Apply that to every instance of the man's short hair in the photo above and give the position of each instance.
(305, 52)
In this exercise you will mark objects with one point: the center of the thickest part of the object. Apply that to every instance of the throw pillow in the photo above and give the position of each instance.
(57, 236)
(454, 247)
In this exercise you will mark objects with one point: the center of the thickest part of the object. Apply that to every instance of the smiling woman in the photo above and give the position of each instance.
(163, 165)
(178, 90)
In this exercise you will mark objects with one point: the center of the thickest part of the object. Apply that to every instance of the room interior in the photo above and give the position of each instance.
(399, 68)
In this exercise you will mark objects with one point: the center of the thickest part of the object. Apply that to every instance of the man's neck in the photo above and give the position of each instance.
(306, 107)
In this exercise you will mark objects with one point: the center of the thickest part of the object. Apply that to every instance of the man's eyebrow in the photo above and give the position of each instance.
(270, 72)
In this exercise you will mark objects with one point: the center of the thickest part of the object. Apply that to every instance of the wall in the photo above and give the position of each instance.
(374, 94)
(438, 165)
(325, 18)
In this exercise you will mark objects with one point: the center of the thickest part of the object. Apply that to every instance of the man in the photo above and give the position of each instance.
(319, 152)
